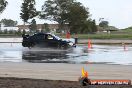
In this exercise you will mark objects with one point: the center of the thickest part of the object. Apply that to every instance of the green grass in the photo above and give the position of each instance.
(105, 36)
(122, 34)
(10, 36)
(115, 35)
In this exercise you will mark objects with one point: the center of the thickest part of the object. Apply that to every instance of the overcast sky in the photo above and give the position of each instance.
(117, 12)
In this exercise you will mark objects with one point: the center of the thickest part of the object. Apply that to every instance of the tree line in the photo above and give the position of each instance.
(12, 32)
(8, 22)
(65, 12)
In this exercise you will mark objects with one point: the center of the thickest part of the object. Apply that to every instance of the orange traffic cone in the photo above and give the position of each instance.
(89, 44)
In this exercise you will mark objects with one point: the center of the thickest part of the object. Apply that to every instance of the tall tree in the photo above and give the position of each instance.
(104, 24)
(28, 10)
(3, 5)
(77, 17)
(33, 26)
(56, 10)
(65, 12)
(93, 26)
(9, 22)
(45, 27)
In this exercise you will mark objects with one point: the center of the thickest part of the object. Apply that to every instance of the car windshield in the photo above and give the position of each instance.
(56, 37)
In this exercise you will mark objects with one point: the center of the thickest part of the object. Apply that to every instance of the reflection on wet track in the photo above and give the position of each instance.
(44, 56)
(108, 54)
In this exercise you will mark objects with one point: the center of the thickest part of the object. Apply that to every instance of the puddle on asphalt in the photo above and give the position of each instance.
(101, 54)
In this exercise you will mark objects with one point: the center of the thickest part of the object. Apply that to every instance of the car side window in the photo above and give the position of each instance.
(40, 37)
(50, 37)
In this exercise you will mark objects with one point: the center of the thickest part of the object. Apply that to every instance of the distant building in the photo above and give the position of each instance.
(52, 27)
(108, 29)
(2, 28)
